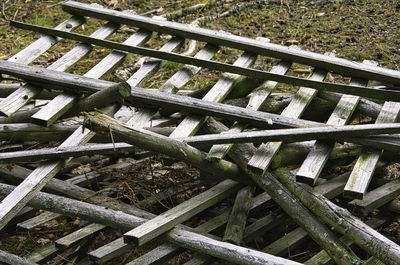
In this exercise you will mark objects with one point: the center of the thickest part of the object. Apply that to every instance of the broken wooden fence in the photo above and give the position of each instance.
(248, 165)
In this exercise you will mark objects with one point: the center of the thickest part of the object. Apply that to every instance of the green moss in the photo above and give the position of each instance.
(43, 21)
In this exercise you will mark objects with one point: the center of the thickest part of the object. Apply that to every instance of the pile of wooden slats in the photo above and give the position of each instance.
(260, 146)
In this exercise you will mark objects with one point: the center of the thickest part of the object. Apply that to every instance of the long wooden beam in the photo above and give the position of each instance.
(338, 65)
(385, 94)
(294, 135)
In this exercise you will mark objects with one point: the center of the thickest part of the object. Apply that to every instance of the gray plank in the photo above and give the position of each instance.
(182, 212)
(37, 220)
(294, 134)
(77, 235)
(365, 166)
(377, 197)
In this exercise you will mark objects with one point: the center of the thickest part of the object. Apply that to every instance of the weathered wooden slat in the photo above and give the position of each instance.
(377, 197)
(37, 220)
(238, 217)
(191, 124)
(178, 236)
(266, 152)
(143, 117)
(60, 104)
(24, 94)
(365, 166)
(167, 220)
(339, 65)
(257, 99)
(8, 258)
(290, 241)
(317, 158)
(379, 93)
(35, 49)
(43, 254)
(294, 134)
(77, 235)
(262, 225)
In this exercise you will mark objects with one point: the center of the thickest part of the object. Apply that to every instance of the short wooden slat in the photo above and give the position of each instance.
(286, 243)
(265, 153)
(378, 93)
(38, 220)
(77, 235)
(338, 65)
(377, 197)
(365, 166)
(238, 217)
(167, 220)
(7, 258)
(318, 156)
(294, 134)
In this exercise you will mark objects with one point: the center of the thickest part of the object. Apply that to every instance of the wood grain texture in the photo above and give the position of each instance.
(365, 166)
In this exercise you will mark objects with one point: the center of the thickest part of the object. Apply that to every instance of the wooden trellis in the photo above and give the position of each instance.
(249, 165)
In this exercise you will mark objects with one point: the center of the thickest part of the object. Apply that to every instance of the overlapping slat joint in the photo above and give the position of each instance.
(266, 134)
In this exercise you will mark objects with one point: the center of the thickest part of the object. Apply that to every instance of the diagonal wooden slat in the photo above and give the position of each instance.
(182, 212)
(365, 166)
